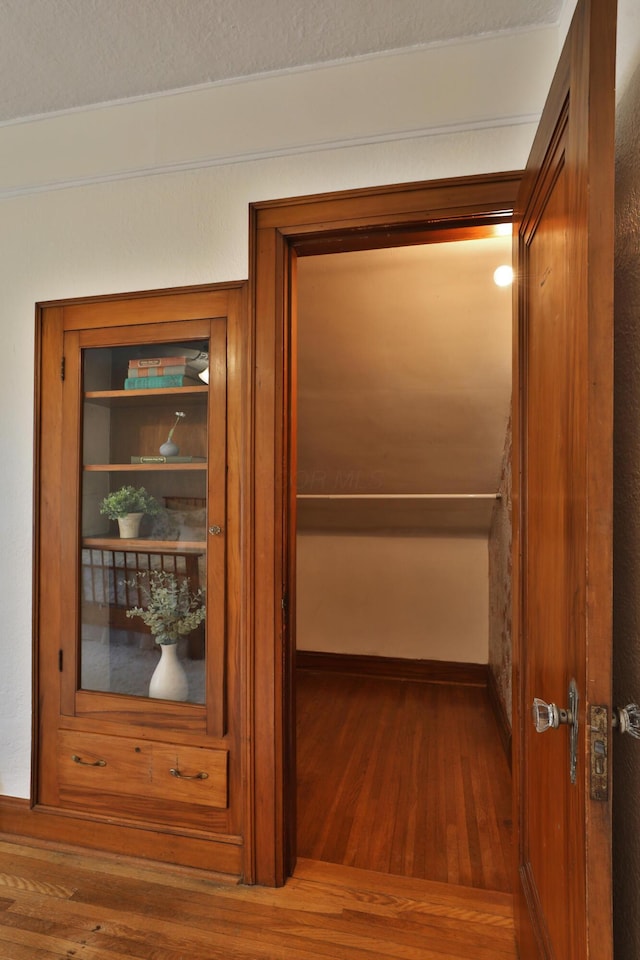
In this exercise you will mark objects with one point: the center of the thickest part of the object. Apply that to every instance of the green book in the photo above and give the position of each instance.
(155, 383)
(161, 459)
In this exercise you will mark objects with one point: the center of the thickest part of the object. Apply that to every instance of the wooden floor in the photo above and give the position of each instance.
(406, 777)
(403, 777)
(56, 904)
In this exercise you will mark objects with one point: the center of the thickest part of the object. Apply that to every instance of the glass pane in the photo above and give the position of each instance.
(143, 578)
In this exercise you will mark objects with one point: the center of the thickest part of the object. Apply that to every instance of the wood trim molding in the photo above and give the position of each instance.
(425, 133)
(278, 230)
(395, 668)
(18, 819)
(499, 710)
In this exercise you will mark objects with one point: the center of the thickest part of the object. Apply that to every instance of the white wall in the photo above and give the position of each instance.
(155, 194)
(422, 598)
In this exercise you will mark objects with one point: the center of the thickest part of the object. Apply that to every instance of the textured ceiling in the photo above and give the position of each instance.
(56, 54)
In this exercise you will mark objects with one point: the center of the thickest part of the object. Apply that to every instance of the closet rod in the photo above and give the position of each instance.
(399, 496)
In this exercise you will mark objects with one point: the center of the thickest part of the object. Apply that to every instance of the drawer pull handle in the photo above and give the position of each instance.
(88, 763)
(184, 776)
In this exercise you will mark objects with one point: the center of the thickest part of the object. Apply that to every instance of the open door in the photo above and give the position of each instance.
(563, 385)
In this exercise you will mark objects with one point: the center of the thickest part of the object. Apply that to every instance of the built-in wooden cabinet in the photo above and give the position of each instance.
(124, 763)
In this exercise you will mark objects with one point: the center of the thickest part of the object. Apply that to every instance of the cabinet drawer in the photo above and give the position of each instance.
(142, 768)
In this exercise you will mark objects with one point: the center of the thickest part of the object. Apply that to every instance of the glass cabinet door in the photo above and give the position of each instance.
(145, 483)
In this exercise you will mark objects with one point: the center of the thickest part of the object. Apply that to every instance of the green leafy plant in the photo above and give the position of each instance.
(129, 499)
(171, 610)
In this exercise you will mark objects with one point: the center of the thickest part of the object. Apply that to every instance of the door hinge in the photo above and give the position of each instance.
(62, 364)
(285, 603)
(60, 660)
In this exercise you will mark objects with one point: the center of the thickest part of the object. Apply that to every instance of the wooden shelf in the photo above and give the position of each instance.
(160, 392)
(418, 514)
(144, 546)
(188, 396)
(398, 496)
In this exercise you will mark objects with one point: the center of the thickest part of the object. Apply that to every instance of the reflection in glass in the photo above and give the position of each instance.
(119, 653)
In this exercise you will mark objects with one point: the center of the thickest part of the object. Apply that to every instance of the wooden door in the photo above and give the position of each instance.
(562, 511)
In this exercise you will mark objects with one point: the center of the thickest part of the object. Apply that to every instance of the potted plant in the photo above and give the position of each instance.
(128, 505)
(171, 611)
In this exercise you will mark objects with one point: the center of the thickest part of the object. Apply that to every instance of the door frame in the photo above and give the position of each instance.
(281, 230)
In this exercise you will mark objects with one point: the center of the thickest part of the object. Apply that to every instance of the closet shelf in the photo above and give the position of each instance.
(425, 513)
(399, 496)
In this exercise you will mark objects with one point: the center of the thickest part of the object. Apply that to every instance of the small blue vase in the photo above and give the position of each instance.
(169, 449)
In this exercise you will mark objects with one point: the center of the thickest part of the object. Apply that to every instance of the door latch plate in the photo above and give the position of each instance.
(599, 732)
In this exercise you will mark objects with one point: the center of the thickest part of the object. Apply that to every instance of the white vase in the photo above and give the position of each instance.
(130, 525)
(169, 681)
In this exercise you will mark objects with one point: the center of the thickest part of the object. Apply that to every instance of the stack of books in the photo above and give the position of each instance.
(151, 373)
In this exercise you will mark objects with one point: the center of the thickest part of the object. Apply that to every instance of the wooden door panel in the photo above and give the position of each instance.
(562, 533)
(553, 589)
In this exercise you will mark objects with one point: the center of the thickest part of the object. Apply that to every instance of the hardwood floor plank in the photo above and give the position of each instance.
(17, 943)
(11, 881)
(65, 904)
(436, 935)
(403, 777)
(17, 951)
(149, 935)
(297, 940)
(404, 763)
(370, 882)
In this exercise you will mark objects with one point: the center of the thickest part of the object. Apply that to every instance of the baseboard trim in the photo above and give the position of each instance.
(20, 821)
(397, 668)
(504, 727)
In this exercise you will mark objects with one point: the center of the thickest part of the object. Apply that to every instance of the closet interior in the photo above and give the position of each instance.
(403, 560)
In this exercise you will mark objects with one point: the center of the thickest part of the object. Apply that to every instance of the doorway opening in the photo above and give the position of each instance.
(282, 231)
(401, 390)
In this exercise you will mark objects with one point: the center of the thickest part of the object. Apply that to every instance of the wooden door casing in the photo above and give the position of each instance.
(280, 230)
(562, 515)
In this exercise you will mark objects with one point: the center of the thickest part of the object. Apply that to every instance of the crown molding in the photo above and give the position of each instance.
(204, 163)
